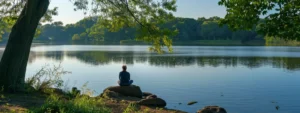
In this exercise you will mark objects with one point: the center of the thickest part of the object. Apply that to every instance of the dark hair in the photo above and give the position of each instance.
(124, 67)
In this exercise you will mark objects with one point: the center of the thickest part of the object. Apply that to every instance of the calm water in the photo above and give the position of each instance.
(240, 79)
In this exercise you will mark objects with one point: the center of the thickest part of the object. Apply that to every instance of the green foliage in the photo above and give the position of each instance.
(76, 37)
(6, 24)
(76, 103)
(80, 104)
(143, 15)
(97, 32)
(134, 108)
(276, 41)
(89, 32)
(47, 77)
(280, 17)
(9, 12)
(211, 30)
(150, 21)
(131, 108)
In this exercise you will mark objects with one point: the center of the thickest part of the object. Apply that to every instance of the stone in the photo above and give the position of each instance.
(192, 102)
(151, 96)
(212, 109)
(132, 91)
(109, 94)
(145, 94)
(155, 102)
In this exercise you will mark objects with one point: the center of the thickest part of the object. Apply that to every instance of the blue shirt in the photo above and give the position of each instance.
(124, 77)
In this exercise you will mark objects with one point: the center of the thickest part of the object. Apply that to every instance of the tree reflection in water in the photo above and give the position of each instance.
(104, 58)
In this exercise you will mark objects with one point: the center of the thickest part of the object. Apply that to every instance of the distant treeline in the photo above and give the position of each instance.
(189, 31)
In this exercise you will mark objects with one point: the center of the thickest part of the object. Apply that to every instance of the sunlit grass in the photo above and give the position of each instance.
(79, 104)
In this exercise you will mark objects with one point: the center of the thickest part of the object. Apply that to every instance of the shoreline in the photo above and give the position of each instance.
(112, 100)
(24, 102)
(183, 43)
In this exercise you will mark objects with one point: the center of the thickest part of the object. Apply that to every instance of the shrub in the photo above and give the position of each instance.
(47, 77)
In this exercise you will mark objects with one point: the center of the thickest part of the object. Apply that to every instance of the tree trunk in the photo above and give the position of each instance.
(14, 60)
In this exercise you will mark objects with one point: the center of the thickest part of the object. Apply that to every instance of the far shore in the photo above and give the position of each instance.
(182, 43)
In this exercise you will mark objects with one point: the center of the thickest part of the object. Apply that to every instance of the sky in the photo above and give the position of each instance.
(185, 8)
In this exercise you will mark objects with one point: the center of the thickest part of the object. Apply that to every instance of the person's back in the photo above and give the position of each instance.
(124, 77)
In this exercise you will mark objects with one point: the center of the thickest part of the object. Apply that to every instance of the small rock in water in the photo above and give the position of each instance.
(179, 103)
(277, 107)
(192, 102)
(273, 102)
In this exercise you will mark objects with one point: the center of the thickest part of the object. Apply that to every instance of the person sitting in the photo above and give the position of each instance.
(124, 77)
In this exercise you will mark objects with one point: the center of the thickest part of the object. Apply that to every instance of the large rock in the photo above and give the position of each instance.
(156, 102)
(109, 94)
(132, 91)
(145, 94)
(212, 109)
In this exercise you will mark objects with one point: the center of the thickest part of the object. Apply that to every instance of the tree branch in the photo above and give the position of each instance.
(131, 13)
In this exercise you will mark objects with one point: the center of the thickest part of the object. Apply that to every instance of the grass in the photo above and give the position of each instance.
(134, 108)
(64, 101)
(80, 104)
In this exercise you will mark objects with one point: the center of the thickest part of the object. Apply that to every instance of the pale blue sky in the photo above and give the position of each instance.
(186, 8)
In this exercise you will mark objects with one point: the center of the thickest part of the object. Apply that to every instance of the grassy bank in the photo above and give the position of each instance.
(40, 102)
(38, 96)
(283, 43)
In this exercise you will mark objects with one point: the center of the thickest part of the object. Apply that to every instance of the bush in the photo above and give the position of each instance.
(47, 77)
(68, 102)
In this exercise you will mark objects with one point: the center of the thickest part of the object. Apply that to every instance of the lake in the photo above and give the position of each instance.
(242, 79)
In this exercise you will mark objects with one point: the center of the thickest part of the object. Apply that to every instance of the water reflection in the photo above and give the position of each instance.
(104, 58)
(193, 72)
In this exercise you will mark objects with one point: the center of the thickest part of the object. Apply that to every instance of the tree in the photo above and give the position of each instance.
(14, 60)
(145, 15)
(75, 37)
(281, 18)
(51, 32)
(97, 33)
(91, 31)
